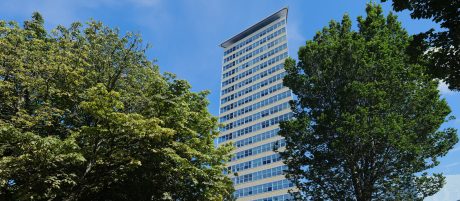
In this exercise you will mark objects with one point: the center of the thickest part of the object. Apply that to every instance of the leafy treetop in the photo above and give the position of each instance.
(367, 116)
(84, 115)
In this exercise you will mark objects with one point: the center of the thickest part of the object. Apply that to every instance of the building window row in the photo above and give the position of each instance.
(253, 87)
(259, 149)
(257, 106)
(252, 70)
(257, 138)
(255, 127)
(263, 174)
(258, 50)
(252, 79)
(257, 59)
(254, 106)
(266, 160)
(258, 35)
(263, 188)
(254, 45)
(285, 197)
(255, 116)
(253, 97)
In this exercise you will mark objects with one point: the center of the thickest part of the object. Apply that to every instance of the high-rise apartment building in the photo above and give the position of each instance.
(253, 102)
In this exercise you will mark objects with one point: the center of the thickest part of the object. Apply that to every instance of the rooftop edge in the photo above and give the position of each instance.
(281, 13)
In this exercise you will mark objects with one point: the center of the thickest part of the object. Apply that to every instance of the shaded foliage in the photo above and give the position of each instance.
(366, 115)
(442, 48)
(84, 115)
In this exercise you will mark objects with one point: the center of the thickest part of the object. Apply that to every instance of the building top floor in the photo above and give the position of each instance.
(256, 27)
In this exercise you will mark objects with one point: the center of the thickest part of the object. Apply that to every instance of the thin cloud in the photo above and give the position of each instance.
(452, 165)
(146, 2)
(294, 33)
(455, 149)
(66, 11)
(295, 37)
(444, 89)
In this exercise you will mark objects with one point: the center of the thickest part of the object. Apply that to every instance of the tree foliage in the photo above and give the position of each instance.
(367, 116)
(442, 47)
(84, 115)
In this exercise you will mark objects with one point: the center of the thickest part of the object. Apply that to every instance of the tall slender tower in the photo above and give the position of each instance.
(253, 102)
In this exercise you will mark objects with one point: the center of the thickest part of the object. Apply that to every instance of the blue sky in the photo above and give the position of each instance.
(185, 34)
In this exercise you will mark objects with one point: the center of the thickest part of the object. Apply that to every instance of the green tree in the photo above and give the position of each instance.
(366, 117)
(84, 115)
(442, 47)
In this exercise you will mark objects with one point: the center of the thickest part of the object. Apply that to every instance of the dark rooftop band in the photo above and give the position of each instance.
(282, 13)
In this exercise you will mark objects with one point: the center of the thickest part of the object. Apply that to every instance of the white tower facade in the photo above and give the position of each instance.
(253, 102)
